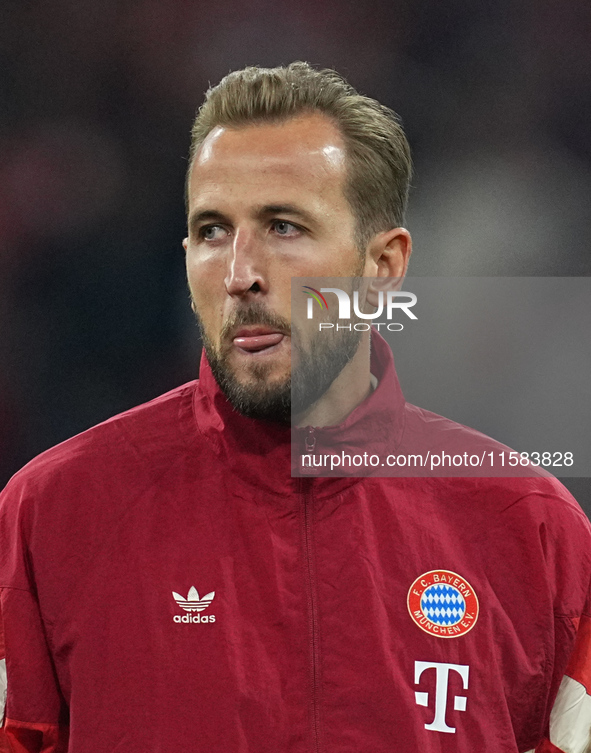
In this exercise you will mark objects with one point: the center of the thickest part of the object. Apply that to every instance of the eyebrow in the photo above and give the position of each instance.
(212, 215)
(291, 209)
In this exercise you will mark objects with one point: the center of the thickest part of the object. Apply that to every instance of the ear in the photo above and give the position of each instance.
(387, 258)
(185, 243)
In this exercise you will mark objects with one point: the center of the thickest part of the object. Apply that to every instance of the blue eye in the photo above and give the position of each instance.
(284, 228)
(210, 232)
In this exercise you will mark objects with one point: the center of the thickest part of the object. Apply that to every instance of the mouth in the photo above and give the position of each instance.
(257, 339)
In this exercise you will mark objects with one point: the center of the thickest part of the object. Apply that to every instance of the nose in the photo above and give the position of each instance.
(246, 265)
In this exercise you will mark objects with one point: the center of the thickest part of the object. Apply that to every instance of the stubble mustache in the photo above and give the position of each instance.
(252, 314)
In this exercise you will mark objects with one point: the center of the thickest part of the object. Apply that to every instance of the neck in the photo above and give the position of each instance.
(349, 389)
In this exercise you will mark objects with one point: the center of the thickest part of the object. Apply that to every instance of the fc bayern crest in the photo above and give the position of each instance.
(443, 603)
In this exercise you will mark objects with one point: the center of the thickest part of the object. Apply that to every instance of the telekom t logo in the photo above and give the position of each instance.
(441, 684)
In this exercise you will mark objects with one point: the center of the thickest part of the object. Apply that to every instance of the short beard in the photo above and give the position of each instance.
(316, 368)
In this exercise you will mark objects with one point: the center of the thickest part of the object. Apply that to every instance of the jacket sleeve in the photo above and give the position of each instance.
(570, 719)
(33, 719)
(3, 744)
(33, 714)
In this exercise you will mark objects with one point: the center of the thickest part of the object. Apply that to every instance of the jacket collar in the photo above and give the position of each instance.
(265, 453)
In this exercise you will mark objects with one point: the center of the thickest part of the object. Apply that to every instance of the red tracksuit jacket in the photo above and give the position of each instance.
(167, 586)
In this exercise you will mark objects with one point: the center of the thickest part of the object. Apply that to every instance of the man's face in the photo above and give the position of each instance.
(267, 203)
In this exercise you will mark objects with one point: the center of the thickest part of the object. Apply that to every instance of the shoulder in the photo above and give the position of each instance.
(535, 498)
(428, 429)
(61, 505)
(453, 449)
(142, 440)
(492, 494)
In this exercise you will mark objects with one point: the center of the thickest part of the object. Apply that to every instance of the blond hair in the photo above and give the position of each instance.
(379, 162)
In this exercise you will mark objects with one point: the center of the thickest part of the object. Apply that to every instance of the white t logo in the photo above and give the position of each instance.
(438, 724)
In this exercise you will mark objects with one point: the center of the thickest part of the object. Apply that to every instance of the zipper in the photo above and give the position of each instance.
(307, 502)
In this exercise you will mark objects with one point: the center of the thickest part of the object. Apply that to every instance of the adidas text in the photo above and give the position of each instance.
(194, 618)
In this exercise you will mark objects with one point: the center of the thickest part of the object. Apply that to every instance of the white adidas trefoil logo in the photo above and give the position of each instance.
(193, 603)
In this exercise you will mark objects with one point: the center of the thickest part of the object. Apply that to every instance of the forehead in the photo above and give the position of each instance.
(302, 158)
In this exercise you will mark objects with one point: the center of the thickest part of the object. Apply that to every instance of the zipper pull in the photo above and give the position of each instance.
(306, 466)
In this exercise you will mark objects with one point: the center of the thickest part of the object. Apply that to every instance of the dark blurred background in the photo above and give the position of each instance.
(96, 104)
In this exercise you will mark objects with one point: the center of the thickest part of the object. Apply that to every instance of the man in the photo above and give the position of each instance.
(167, 585)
